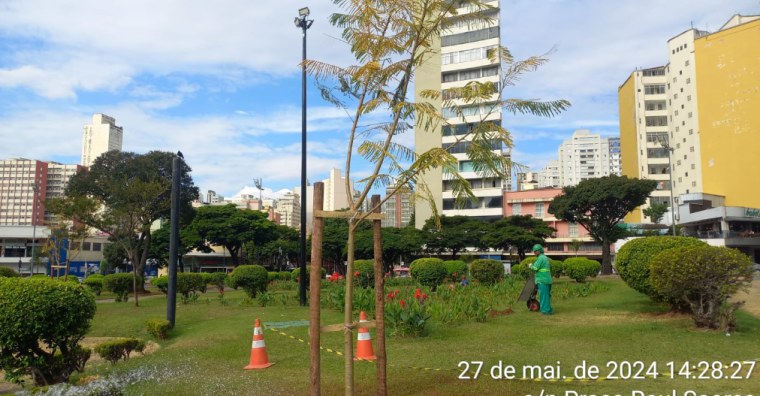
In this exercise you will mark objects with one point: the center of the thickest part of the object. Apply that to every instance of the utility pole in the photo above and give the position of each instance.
(671, 150)
(171, 295)
(257, 183)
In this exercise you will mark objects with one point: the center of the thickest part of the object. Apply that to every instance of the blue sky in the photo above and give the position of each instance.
(219, 81)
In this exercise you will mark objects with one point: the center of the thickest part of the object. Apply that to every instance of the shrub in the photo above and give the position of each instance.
(208, 279)
(704, 277)
(43, 312)
(284, 275)
(487, 271)
(95, 283)
(220, 280)
(120, 284)
(632, 262)
(557, 268)
(457, 267)
(428, 271)
(523, 269)
(273, 276)
(162, 283)
(6, 272)
(580, 268)
(366, 270)
(159, 328)
(296, 274)
(251, 278)
(189, 282)
(116, 350)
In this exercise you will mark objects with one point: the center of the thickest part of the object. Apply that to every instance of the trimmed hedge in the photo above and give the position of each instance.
(366, 269)
(557, 267)
(220, 279)
(43, 312)
(703, 277)
(120, 284)
(162, 283)
(95, 283)
(159, 328)
(457, 267)
(190, 282)
(297, 274)
(487, 271)
(116, 350)
(428, 271)
(632, 262)
(273, 276)
(580, 268)
(251, 278)
(6, 272)
(523, 269)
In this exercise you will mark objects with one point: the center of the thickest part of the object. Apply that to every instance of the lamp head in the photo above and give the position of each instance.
(298, 22)
(304, 12)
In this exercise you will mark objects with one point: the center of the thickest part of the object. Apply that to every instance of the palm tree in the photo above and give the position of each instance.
(575, 245)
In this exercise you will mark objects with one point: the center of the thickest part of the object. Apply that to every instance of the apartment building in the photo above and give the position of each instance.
(100, 137)
(584, 156)
(705, 100)
(527, 181)
(289, 209)
(459, 57)
(398, 208)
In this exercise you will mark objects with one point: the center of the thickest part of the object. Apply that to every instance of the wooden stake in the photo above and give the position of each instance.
(348, 318)
(382, 386)
(315, 282)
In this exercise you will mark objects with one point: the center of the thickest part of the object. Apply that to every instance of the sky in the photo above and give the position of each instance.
(220, 82)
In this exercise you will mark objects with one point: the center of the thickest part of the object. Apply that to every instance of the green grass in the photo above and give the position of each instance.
(210, 346)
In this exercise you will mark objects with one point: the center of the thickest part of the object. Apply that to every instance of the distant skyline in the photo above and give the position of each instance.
(221, 83)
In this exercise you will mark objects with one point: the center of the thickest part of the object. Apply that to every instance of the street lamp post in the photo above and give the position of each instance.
(304, 24)
(34, 227)
(666, 145)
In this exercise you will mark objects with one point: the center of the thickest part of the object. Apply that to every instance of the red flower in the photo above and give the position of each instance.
(417, 296)
(454, 274)
(403, 303)
(398, 291)
(424, 296)
(271, 283)
(221, 291)
(445, 279)
(390, 296)
(298, 279)
(418, 291)
(356, 273)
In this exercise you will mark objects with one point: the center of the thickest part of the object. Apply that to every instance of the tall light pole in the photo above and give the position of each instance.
(671, 150)
(257, 183)
(302, 22)
(36, 190)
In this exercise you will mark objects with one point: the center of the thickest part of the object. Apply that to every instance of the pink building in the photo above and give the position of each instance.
(536, 203)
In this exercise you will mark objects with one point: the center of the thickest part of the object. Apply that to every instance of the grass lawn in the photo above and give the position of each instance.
(211, 344)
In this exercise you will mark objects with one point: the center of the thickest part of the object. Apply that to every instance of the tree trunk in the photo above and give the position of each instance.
(134, 280)
(382, 383)
(233, 256)
(141, 263)
(349, 307)
(315, 289)
(606, 259)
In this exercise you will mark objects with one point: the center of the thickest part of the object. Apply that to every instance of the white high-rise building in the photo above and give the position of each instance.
(289, 208)
(584, 156)
(100, 137)
(460, 57)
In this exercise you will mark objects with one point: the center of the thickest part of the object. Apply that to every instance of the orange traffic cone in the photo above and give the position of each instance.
(259, 358)
(364, 343)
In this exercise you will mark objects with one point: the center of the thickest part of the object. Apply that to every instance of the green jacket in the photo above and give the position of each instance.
(543, 269)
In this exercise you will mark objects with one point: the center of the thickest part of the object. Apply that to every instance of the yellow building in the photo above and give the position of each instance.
(696, 123)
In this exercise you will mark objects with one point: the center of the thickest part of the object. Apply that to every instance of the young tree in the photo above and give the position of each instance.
(575, 245)
(599, 205)
(656, 211)
(232, 228)
(391, 40)
(517, 232)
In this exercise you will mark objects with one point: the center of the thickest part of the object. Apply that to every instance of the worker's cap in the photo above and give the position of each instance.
(537, 247)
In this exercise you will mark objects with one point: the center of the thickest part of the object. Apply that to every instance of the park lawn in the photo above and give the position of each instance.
(211, 344)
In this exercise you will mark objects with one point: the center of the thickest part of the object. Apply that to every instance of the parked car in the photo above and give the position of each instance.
(401, 272)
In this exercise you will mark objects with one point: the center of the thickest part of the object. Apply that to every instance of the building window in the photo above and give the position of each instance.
(687, 63)
(685, 45)
(572, 229)
(676, 113)
(693, 184)
(688, 98)
(539, 210)
(517, 209)
(470, 37)
(691, 149)
(556, 247)
(86, 246)
(675, 96)
(675, 79)
(96, 247)
(688, 81)
(654, 89)
(679, 163)
(693, 166)
(678, 145)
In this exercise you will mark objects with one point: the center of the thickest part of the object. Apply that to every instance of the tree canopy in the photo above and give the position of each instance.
(600, 205)
(656, 211)
(398, 243)
(517, 232)
(456, 233)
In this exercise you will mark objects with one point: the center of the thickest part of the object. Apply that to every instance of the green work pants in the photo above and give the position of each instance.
(545, 298)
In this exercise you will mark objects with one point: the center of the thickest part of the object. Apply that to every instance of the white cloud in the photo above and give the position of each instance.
(266, 192)
(91, 44)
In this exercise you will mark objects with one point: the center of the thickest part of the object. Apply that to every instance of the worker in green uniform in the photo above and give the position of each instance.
(543, 270)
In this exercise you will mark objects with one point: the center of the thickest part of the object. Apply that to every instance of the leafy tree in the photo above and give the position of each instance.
(600, 205)
(456, 233)
(575, 245)
(285, 239)
(519, 232)
(656, 211)
(65, 242)
(114, 175)
(188, 240)
(398, 243)
(232, 228)
(390, 41)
